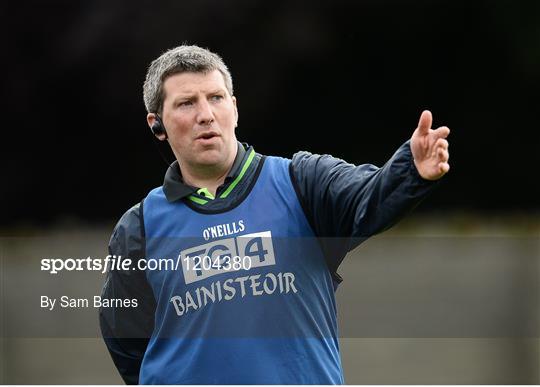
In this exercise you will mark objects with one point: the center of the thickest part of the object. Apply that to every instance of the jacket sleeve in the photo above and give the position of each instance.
(126, 331)
(345, 204)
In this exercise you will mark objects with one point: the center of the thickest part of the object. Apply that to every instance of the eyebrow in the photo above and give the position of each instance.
(212, 91)
(217, 91)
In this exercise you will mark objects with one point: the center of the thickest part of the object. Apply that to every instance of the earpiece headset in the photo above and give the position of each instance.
(157, 127)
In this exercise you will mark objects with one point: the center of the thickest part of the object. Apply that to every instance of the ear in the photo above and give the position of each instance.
(235, 111)
(152, 120)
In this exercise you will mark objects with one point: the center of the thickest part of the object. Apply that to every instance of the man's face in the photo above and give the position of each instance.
(200, 115)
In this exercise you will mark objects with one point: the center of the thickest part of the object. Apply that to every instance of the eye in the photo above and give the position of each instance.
(184, 103)
(216, 97)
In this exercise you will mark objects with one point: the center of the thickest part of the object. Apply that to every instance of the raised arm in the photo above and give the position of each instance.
(345, 204)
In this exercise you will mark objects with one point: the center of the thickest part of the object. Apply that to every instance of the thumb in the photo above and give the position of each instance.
(424, 124)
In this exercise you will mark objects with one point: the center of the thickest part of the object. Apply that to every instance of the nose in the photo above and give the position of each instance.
(205, 116)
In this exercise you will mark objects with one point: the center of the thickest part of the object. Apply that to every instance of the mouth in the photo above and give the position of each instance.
(207, 135)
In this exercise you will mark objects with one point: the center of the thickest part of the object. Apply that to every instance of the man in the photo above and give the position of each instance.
(257, 239)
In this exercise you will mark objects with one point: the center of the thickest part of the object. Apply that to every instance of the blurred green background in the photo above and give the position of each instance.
(443, 299)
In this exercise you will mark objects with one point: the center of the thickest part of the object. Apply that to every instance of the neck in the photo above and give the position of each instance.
(206, 179)
(210, 177)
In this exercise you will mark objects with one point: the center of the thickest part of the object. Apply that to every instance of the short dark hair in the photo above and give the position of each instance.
(179, 60)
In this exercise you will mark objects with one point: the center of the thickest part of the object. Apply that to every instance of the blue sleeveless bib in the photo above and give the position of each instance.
(244, 296)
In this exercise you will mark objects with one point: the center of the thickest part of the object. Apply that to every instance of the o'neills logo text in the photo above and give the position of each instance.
(223, 230)
(253, 285)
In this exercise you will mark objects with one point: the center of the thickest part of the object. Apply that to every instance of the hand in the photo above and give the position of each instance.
(430, 148)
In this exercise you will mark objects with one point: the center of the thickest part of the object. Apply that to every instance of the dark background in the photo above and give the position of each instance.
(348, 78)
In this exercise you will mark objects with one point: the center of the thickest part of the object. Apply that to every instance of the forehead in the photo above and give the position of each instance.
(191, 83)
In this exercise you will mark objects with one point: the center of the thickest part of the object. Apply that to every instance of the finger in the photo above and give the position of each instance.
(444, 167)
(442, 132)
(441, 143)
(443, 154)
(425, 121)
